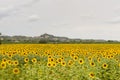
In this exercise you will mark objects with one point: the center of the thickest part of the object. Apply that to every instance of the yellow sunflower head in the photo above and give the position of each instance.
(16, 71)
(81, 61)
(15, 63)
(26, 60)
(91, 75)
(3, 65)
(104, 66)
(34, 60)
(63, 63)
(92, 64)
(49, 64)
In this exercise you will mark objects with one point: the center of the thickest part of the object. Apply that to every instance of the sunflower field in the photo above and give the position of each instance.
(60, 62)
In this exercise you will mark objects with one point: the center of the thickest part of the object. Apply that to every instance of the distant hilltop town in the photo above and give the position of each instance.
(48, 38)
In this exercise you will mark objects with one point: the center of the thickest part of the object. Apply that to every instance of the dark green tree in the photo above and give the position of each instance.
(43, 41)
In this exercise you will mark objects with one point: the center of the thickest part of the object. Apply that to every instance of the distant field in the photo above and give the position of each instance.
(60, 62)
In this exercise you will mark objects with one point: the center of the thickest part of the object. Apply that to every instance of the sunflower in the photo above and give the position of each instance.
(10, 55)
(104, 65)
(108, 57)
(72, 55)
(92, 75)
(24, 53)
(70, 62)
(63, 63)
(16, 71)
(4, 60)
(92, 64)
(15, 63)
(112, 56)
(104, 56)
(53, 64)
(116, 59)
(90, 58)
(98, 60)
(49, 64)
(75, 58)
(62, 58)
(49, 56)
(81, 61)
(59, 60)
(9, 62)
(3, 65)
(119, 64)
(26, 60)
(36, 53)
(51, 59)
(34, 60)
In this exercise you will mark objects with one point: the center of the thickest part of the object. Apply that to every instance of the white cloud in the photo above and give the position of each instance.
(33, 18)
(13, 10)
(115, 20)
(5, 11)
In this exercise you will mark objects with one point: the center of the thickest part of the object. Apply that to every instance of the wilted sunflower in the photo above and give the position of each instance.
(16, 71)
(50, 72)
(104, 65)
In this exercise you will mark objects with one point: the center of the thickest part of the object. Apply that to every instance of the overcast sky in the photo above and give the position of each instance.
(86, 19)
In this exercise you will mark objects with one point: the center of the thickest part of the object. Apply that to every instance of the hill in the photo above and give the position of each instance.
(48, 38)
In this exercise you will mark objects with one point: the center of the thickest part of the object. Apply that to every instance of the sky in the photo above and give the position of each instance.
(85, 19)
